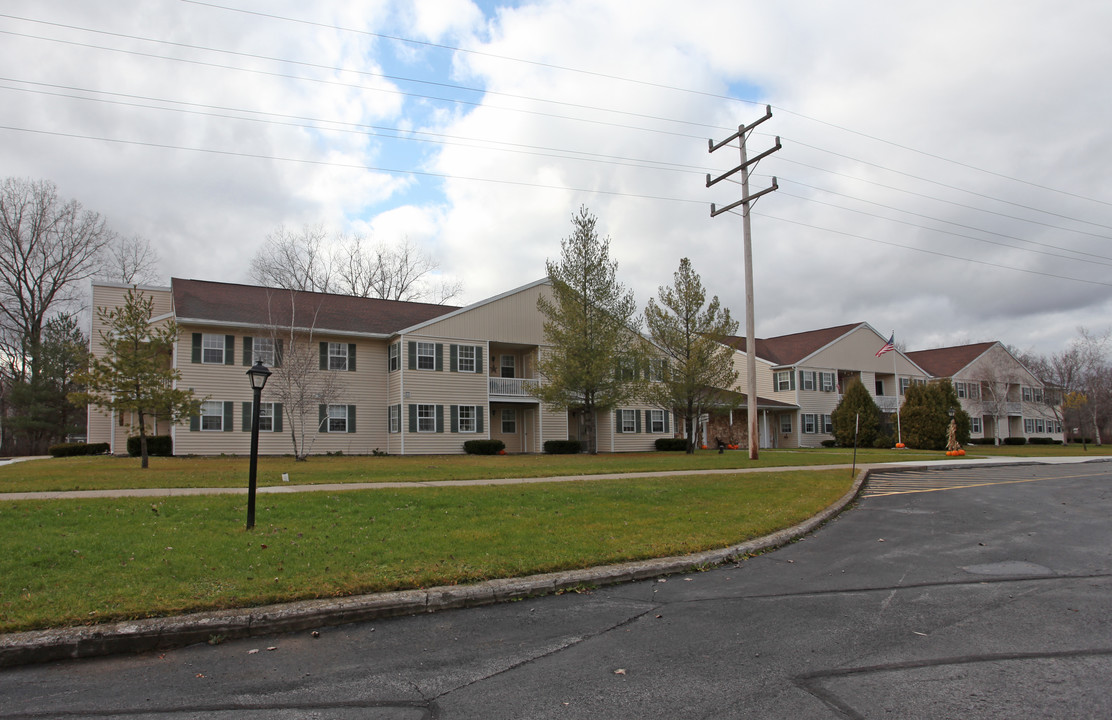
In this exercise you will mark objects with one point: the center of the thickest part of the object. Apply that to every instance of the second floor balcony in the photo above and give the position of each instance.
(511, 387)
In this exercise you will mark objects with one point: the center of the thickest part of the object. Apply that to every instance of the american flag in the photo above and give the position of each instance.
(888, 346)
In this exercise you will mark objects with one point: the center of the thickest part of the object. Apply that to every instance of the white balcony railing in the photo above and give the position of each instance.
(887, 403)
(511, 387)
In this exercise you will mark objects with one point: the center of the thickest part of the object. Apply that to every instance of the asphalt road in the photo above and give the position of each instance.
(966, 593)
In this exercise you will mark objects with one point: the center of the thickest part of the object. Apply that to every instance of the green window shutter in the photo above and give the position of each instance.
(351, 358)
(194, 423)
(278, 353)
(454, 413)
(412, 417)
(229, 349)
(636, 421)
(245, 423)
(324, 356)
(412, 355)
(480, 411)
(801, 385)
(229, 407)
(439, 357)
(618, 420)
(479, 367)
(351, 418)
(248, 350)
(277, 417)
(440, 418)
(322, 418)
(791, 381)
(196, 347)
(666, 428)
(454, 366)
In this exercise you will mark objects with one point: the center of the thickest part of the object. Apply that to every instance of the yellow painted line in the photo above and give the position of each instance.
(879, 493)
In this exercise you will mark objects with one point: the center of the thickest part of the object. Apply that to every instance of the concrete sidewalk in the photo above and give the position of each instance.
(161, 633)
(345, 487)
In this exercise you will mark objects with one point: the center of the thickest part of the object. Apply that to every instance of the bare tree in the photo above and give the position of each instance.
(47, 246)
(132, 261)
(1095, 380)
(297, 382)
(998, 378)
(308, 259)
(294, 260)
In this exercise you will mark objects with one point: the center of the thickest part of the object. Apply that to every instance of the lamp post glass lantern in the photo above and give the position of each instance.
(258, 373)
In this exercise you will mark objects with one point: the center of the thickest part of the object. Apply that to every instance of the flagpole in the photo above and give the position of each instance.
(899, 430)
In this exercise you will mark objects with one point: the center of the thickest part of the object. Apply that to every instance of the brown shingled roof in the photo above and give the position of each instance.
(790, 349)
(946, 362)
(201, 300)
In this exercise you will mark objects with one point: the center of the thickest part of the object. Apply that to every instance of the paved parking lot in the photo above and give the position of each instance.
(943, 593)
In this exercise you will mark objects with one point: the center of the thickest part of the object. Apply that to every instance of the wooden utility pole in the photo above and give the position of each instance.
(747, 235)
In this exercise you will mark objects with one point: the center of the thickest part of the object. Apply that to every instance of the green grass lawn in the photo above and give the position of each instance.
(67, 562)
(105, 472)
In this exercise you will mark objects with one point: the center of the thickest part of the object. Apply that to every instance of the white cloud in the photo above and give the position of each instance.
(1015, 88)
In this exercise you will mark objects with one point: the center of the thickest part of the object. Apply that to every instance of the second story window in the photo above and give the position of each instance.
(466, 358)
(212, 349)
(426, 356)
(337, 356)
(262, 348)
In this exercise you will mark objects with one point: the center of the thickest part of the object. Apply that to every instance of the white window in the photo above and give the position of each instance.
(508, 366)
(785, 424)
(1037, 394)
(212, 349)
(266, 417)
(426, 418)
(657, 369)
(810, 423)
(426, 356)
(509, 421)
(1028, 396)
(629, 421)
(467, 415)
(338, 418)
(656, 421)
(1028, 425)
(974, 391)
(808, 379)
(466, 358)
(783, 380)
(395, 358)
(960, 389)
(905, 383)
(262, 350)
(975, 425)
(827, 379)
(395, 418)
(337, 357)
(212, 414)
(1040, 425)
(828, 424)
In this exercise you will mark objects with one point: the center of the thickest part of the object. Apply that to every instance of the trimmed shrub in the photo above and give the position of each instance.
(562, 447)
(1088, 441)
(157, 446)
(1015, 441)
(73, 449)
(1043, 441)
(829, 443)
(884, 442)
(671, 444)
(483, 447)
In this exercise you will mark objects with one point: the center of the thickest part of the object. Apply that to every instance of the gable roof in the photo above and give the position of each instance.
(790, 349)
(949, 361)
(202, 301)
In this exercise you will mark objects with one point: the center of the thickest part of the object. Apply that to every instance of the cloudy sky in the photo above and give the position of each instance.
(944, 171)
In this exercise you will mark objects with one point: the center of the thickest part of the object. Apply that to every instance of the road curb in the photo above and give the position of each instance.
(137, 636)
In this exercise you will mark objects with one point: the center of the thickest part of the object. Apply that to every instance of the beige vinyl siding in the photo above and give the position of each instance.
(364, 388)
(814, 402)
(640, 440)
(512, 319)
(441, 388)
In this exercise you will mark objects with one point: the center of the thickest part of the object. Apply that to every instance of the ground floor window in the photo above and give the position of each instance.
(426, 418)
(467, 415)
(785, 423)
(975, 425)
(337, 418)
(827, 424)
(395, 418)
(509, 421)
(212, 415)
(656, 421)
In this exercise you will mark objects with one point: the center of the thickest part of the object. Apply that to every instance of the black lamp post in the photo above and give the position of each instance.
(258, 375)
